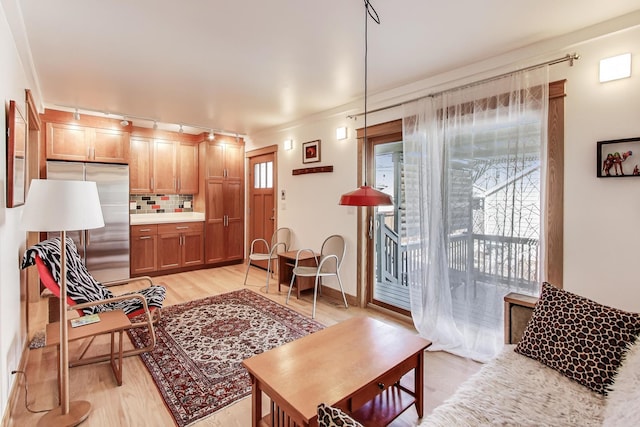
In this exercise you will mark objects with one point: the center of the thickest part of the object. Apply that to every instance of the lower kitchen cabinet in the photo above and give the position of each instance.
(144, 249)
(180, 245)
(170, 246)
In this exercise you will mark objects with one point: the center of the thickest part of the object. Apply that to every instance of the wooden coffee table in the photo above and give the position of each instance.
(355, 365)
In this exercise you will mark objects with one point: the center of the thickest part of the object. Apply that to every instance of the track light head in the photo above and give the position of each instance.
(76, 115)
(211, 136)
(155, 124)
(124, 122)
(180, 130)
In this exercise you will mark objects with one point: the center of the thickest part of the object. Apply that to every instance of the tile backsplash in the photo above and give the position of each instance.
(160, 203)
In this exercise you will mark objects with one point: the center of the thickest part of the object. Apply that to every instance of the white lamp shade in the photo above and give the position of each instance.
(56, 205)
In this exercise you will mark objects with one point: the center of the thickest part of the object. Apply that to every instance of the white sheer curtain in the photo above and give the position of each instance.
(474, 184)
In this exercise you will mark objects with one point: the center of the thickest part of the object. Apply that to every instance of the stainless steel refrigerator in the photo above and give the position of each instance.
(105, 250)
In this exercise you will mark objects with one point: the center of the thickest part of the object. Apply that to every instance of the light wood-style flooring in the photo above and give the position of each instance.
(138, 403)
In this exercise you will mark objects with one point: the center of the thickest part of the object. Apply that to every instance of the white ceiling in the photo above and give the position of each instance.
(246, 65)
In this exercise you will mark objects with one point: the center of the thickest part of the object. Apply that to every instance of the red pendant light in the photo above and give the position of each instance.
(366, 195)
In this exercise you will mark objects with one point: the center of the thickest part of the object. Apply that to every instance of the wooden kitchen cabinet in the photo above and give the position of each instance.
(180, 245)
(140, 165)
(87, 144)
(144, 249)
(224, 218)
(225, 159)
(187, 168)
(163, 166)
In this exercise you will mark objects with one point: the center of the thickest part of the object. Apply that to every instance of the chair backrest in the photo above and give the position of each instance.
(281, 235)
(81, 286)
(332, 245)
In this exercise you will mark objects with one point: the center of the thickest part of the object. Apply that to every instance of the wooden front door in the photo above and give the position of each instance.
(262, 200)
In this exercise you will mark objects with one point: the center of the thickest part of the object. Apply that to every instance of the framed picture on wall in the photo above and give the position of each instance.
(311, 151)
(618, 158)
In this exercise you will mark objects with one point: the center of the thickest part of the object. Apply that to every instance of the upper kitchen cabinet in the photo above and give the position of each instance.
(140, 163)
(225, 158)
(187, 168)
(163, 166)
(88, 144)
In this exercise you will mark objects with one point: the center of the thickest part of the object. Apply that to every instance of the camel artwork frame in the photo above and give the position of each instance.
(618, 158)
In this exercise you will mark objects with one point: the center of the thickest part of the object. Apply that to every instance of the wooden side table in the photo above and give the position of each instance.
(518, 309)
(110, 323)
(286, 262)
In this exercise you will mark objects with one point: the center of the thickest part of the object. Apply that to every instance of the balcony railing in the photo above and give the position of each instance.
(472, 258)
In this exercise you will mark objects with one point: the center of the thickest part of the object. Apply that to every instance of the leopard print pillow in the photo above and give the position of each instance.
(578, 337)
(334, 417)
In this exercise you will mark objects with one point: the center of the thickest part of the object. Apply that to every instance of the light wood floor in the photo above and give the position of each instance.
(138, 403)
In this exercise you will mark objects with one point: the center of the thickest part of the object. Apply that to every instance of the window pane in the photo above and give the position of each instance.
(269, 183)
(256, 176)
(263, 173)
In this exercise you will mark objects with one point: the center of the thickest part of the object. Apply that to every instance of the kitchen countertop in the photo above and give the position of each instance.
(162, 218)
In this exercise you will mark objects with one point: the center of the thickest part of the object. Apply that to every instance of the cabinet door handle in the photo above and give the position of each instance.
(178, 184)
(144, 229)
(145, 237)
(184, 227)
(152, 183)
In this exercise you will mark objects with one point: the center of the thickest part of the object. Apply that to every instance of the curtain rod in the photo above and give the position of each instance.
(568, 57)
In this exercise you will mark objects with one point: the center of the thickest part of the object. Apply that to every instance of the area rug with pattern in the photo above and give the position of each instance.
(196, 363)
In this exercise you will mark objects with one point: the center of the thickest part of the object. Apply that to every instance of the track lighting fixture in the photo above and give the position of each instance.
(127, 120)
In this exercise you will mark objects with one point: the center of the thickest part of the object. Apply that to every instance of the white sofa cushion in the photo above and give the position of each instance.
(623, 401)
(515, 390)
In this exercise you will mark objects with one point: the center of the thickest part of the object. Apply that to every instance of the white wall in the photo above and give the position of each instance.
(12, 87)
(602, 216)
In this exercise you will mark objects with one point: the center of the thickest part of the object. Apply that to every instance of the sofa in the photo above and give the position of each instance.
(577, 363)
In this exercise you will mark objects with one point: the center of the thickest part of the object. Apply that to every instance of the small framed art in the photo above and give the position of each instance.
(311, 151)
(618, 158)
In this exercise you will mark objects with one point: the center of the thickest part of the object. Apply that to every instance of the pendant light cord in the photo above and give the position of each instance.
(370, 11)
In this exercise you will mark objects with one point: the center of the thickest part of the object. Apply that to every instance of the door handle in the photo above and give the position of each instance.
(145, 237)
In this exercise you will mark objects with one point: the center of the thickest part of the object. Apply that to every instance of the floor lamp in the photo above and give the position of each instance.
(54, 205)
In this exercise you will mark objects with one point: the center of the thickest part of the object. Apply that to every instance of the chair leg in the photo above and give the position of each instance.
(268, 273)
(293, 277)
(315, 294)
(247, 272)
(344, 298)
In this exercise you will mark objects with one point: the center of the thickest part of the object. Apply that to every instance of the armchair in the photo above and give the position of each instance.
(88, 296)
